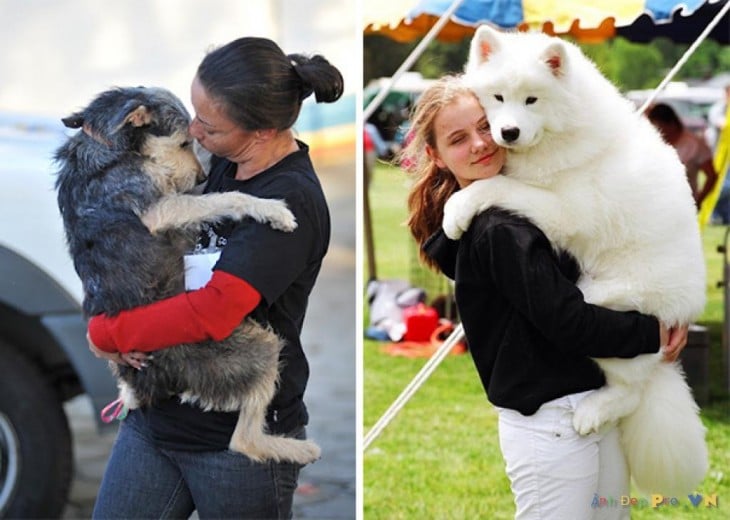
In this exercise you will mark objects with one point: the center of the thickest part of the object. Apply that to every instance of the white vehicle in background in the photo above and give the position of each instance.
(691, 102)
(390, 118)
(44, 356)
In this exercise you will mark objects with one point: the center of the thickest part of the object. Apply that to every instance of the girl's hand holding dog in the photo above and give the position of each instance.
(137, 360)
(672, 341)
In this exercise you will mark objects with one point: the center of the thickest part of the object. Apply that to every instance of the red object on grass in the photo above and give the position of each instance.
(420, 320)
(414, 349)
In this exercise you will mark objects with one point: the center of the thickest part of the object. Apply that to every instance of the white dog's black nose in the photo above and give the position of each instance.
(510, 133)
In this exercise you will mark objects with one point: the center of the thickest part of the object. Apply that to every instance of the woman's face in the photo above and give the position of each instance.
(464, 144)
(214, 130)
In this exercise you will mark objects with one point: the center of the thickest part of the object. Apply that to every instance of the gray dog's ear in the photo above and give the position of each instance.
(73, 121)
(140, 116)
(135, 114)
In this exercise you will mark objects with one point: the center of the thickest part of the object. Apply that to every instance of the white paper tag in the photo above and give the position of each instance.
(199, 269)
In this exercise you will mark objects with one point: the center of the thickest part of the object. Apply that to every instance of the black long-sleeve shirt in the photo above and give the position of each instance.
(529, 330)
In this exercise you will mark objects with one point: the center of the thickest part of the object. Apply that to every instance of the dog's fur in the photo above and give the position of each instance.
(128, 222)
(597, 178)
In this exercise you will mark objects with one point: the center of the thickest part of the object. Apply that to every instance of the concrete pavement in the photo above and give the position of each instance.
(327, 488)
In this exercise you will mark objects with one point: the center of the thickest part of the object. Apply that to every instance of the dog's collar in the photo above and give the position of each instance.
(96, 137)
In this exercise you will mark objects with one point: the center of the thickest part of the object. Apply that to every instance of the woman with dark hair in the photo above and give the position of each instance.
(692, 149)
(173, 458)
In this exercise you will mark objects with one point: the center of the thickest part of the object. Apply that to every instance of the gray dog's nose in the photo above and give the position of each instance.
(510, 133)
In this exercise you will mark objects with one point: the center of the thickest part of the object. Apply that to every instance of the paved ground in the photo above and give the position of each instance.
(327, 488)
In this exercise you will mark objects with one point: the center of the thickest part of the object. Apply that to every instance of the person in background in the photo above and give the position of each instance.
(383, 149)
(693, 150)
(717, 117)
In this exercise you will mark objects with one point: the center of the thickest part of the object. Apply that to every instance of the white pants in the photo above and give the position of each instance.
(556, 473)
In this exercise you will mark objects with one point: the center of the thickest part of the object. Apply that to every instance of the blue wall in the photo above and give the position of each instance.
(318, 116)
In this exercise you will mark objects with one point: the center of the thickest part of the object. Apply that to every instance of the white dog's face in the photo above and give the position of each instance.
(514, 114)
(518, 85)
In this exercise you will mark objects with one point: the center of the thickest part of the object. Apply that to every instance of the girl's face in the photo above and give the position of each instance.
(214, 131)
(464, 144)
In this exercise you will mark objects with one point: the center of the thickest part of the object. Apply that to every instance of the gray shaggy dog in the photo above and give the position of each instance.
(128, 221)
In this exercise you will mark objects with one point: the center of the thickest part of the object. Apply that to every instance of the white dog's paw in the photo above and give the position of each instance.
(590, 289)
(458, 215)
(612, 293)
(468, 202)
(587, 418)
(278, 215)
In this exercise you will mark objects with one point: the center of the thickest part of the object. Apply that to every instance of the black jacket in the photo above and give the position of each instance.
(528, 328)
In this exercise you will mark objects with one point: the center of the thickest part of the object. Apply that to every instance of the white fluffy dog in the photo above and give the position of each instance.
(599, 181)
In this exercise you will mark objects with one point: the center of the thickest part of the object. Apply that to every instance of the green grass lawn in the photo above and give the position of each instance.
(440, 458)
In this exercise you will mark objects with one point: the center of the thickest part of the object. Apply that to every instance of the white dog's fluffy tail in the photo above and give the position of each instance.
(664, 439)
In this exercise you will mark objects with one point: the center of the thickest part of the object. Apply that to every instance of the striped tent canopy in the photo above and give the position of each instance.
(585, 20)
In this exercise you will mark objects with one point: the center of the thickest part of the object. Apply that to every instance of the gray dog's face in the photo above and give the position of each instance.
(152, 122)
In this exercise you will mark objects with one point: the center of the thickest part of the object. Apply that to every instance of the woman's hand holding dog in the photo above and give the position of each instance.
(672, 341)
(137, 360)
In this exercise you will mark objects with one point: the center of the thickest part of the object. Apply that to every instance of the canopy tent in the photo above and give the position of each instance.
(681, 28)
(597, 20)
(584, 20)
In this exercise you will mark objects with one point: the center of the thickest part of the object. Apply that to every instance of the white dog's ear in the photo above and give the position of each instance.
(484, 43)
(554, 57)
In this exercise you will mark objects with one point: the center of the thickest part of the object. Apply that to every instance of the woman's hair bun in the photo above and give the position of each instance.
(318, 76)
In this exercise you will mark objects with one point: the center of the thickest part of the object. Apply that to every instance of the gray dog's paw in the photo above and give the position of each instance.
(280, 217)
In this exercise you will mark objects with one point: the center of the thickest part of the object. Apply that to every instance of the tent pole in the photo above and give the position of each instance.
(433, 362)
(367, 220)
(411, 59)
(685, 57)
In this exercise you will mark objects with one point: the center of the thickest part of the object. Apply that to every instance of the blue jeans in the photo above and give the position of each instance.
(144, 481)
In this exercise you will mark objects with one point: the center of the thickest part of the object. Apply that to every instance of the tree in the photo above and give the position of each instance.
(629, 65)
(382, 56)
